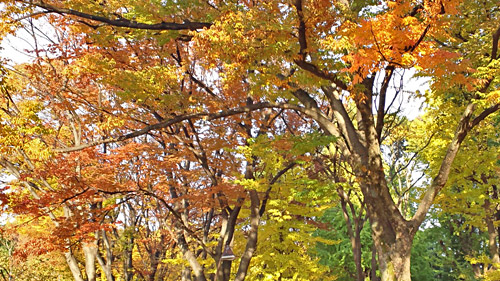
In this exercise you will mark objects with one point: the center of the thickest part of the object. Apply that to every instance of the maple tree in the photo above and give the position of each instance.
(180, 171)
(154, 98)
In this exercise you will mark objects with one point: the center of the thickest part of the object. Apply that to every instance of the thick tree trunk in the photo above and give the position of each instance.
(392, 234)
(393, 239)
(225, 270)
(394, 258)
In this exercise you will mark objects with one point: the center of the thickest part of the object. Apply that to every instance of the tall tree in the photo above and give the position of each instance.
(207, 61)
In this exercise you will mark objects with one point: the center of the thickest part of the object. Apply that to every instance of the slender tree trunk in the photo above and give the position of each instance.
(492, 234)
(251, 246)
(356, 250)
(127, 261)
(374, 265)
(90, 251)
(186, 274)
(106, 265)
(354, 231)
(198, 271)
(224, 267)
(73, 266)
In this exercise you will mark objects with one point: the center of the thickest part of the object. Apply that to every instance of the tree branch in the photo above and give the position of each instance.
(317, 116)
(494, 48)
(352, 138)
(464, 126)
(121, 22)
(422, 36)
(271, 183)
(302, 29)
(484, 114)
(321, 73)
(382, 99)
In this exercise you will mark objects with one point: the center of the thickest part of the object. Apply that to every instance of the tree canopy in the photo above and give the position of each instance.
(144, 139)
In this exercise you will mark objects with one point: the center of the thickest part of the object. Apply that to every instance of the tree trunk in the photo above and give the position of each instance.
(356, 250)
(492, 235)
(197, 269)
(73, 266)
(225, 270)
(106, 265)
(186, 274)
(394, 258)
(128, 273)
(90, 251)
(251, 246)
(354, 231)
(392, 234)
(374, 265)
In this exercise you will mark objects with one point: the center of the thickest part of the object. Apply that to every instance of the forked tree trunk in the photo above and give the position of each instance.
(392, 233)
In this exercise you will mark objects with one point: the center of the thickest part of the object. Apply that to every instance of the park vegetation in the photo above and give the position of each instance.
(142, 139)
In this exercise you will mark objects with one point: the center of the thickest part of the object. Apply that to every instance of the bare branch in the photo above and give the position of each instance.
(32, 15)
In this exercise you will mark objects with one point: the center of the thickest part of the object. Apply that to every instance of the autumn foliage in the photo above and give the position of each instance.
(143, 138)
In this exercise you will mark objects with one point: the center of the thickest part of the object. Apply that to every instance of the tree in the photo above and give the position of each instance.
(470, 200)
(340, 256)
(159, 184)
(26, 253)
(440, 254)
(215, 62)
